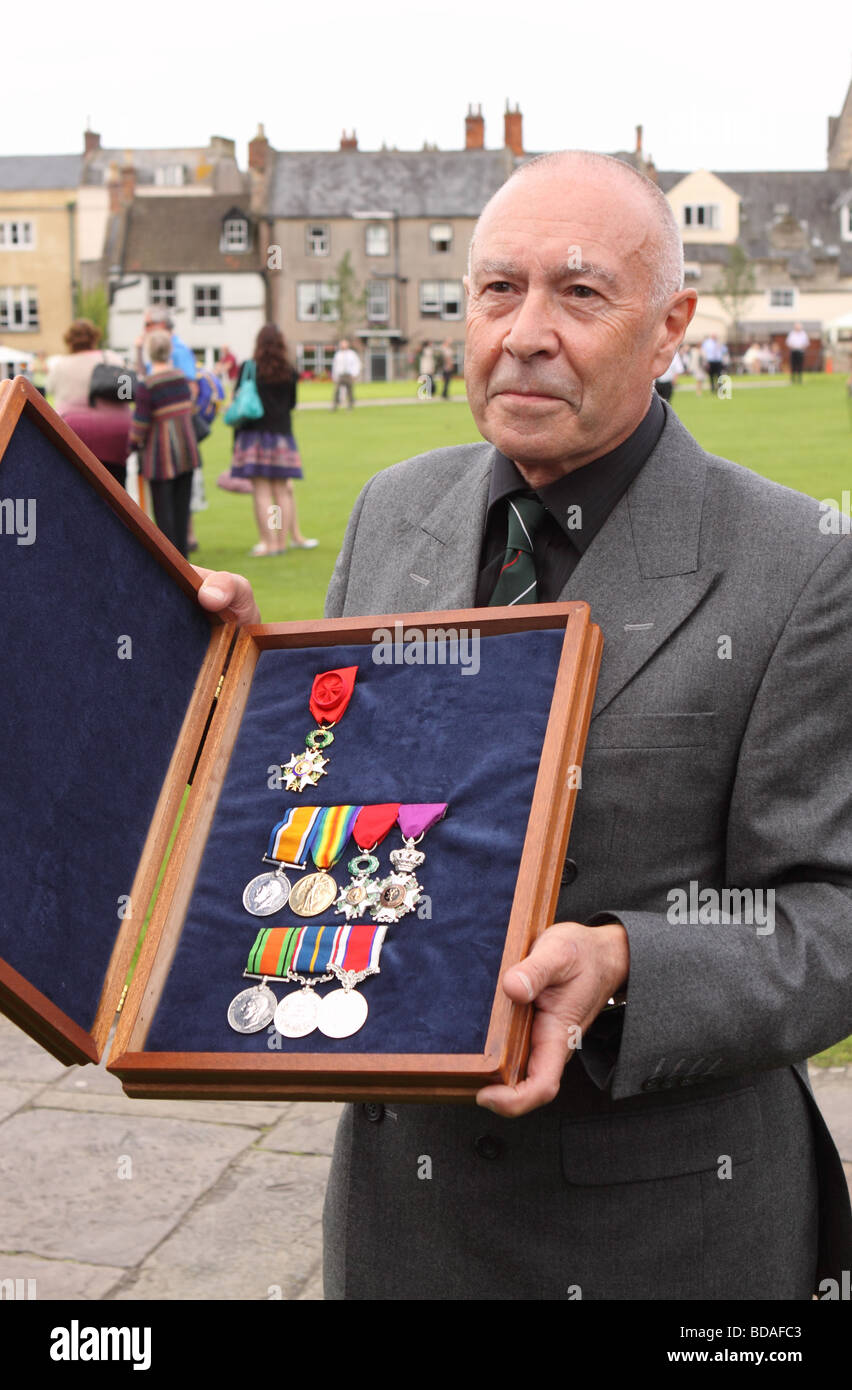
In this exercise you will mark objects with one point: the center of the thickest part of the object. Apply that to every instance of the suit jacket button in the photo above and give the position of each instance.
(487, 1146)
(652, 1083)
(374, 1111)
(569, 872)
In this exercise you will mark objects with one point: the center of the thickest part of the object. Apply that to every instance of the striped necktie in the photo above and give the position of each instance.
(516, 582)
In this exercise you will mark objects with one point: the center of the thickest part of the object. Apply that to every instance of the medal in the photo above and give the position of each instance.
(253, 1009)
(289, 953)
(330, 695)
(400, 892)
(370, 828)
(355, 956)
(288, 844)
(316, 892)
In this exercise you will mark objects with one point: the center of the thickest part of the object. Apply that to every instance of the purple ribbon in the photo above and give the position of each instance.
(418, 817)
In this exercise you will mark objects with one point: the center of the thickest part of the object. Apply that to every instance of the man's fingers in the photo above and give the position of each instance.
(551, 1047)
(221, 589)
(552, 960)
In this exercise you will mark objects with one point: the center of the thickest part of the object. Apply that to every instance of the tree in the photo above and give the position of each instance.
(93, 304)
(736, 286)
(346, 296)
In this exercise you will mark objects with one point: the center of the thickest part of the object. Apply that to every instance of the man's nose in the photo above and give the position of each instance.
(533, 329)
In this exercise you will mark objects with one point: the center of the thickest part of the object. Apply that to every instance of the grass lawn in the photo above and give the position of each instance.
(798, 436)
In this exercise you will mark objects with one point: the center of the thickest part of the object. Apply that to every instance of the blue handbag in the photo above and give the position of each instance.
(246, 404)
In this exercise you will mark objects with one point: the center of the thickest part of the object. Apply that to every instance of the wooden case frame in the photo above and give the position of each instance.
(206, 742)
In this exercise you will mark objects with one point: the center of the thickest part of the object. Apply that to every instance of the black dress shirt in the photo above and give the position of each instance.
(577, 506)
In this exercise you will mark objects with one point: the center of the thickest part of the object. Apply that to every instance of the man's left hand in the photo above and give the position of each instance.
(221, 589)
(570, 974)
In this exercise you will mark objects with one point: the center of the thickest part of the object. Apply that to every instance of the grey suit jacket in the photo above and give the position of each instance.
(719, 756)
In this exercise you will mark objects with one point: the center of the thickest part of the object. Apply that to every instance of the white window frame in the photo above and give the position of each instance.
(162, 291)
(377, 231)
(17, 234)
(317, 239)
(782, 297)
(378, 301)
(324, 300)
(207, 303)
(235, 235)
(321, 355)
(846, 222)
(452, 290)
(169, 176)
(19, 308)
(692, 220)
(430, 297)
(440, 245)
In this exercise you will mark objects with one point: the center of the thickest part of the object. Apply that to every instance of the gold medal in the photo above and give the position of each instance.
(313, 894)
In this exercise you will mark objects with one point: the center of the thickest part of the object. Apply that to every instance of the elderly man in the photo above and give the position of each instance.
(678, 1153)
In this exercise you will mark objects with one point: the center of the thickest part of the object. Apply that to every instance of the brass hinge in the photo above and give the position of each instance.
(122, 999)
(219, 686)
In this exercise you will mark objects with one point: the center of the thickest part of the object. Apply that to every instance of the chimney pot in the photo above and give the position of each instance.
(638, 139)
(91, 141)
(258, 151)
(513, 137)
(474, 129)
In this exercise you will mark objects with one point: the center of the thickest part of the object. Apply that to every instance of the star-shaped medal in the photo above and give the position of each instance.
(304, 770)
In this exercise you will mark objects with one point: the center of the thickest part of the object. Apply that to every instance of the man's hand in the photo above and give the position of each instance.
(221, 589)
(571, 973)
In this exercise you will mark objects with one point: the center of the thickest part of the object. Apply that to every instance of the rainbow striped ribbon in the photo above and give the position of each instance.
(292, 836)
(332, 833)
(311, 950)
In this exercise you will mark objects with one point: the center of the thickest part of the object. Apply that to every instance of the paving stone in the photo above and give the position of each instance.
(55, 1279)
(308, 1127)
(313, 1289)
(834, 1098)
(12, 1096)
(60, 1190)
(256, 1236)
(256, 1114)
(21, 1059)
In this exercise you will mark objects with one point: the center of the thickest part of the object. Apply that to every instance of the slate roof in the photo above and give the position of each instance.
(420, 183)
(171, 235)
(145, 162)
(30, 172)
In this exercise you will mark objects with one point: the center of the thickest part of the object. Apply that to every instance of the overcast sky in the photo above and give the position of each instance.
(748, 85)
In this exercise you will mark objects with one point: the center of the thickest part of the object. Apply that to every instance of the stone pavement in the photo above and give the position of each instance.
(102, 1197)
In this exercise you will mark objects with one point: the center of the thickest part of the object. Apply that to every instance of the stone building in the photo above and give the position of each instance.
(38, 250)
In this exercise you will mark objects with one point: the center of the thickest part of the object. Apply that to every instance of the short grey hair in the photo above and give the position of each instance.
(159, 346)
(666, 262)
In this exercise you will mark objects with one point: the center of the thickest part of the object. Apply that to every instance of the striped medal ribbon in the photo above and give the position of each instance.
(288, 846)
(319, 952)
(333, 828)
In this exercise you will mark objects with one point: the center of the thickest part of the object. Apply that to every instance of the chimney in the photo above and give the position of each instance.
(113, 184)
(91, 141)
(258, 151)
(513, 138)
(348, 141)
(638, 139)
(128, 182)
(474, 129)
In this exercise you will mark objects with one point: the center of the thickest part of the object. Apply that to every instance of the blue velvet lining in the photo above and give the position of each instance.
(411, 733)
(86, 738)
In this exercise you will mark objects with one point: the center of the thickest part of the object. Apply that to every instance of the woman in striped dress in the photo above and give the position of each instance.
(165, 439)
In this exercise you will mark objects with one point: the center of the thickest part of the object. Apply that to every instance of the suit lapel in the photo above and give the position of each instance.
(642, 575)
(443, 560)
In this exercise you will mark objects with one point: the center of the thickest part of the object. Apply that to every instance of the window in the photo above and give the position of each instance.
(441, 297)
(170, 176)
(378, 301)
(206, 302)
(701, 215)
(846, 222)
(318, 239)
(17, 236)
(314, 357)
(162, 291)
(782, 298)
(235, 235)
(377, 239)
(440, 237)
(18, 308)
(315, 301)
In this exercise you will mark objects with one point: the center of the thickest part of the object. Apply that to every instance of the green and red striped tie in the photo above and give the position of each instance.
(516, 582)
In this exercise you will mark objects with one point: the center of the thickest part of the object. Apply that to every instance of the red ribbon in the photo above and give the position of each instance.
(373, 824)
(331, 693)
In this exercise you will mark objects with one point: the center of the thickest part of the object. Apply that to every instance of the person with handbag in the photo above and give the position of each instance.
(92, 390)
(265, 452)
(164, 436)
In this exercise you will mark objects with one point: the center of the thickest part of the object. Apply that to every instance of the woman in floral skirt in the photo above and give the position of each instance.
(265, 451)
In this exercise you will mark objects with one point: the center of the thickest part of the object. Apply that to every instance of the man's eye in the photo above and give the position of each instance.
(499, 286)
(582, 291)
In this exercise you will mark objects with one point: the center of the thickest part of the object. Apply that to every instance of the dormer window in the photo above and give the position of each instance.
(235, 234)
(169, 176)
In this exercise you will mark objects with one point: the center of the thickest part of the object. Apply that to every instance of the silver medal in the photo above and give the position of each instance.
(342, 1013)
(267, 893)
(296, 1015)
(400, 892)
(252, 1010)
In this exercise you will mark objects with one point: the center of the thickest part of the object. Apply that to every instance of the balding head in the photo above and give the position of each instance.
(662, 248)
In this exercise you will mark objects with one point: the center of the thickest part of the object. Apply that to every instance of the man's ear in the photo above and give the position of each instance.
(673, 328)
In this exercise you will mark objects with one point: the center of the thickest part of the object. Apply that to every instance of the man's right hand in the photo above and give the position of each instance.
(221, 589)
